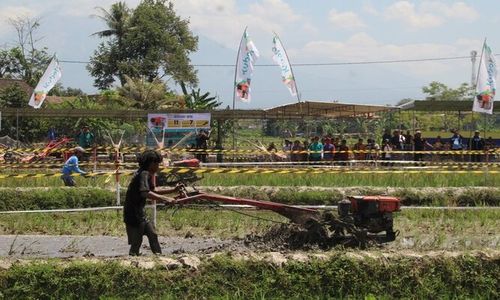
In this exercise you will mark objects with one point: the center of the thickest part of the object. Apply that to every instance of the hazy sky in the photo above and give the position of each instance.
(322, 31)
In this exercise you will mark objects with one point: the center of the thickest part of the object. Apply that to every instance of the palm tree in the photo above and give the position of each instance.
(196, 101)
(146, 95)
(117, 19)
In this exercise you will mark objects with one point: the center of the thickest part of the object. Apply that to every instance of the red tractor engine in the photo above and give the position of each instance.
(370, 213)
(173, 178)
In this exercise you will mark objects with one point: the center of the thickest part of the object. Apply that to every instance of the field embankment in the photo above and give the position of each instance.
(60, 197)
(336, 274)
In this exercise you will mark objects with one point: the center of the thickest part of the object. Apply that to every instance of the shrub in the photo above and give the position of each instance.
(52, 198)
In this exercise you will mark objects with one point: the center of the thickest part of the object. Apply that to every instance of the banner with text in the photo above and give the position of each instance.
(281, 59)
(46, 83)
(248, 54)
(486, 82)
(171, 128)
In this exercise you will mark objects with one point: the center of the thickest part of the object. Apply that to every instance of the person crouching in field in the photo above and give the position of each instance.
(71, 166)
(141, 189)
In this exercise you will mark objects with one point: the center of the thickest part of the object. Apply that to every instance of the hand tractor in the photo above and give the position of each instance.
(359, 219)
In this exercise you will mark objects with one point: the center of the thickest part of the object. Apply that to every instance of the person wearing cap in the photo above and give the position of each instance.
(476, 144)
(71, 166)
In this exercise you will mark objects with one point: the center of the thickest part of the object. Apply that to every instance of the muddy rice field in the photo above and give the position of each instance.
(431, 245)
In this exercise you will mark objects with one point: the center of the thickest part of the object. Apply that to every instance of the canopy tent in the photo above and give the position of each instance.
(329, 109)
(429, 105)
(287, 111)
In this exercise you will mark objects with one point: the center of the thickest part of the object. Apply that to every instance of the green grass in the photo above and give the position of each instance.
(64, 197)
(426, 228)
(327, 180)
(340, 276)
(346, 180)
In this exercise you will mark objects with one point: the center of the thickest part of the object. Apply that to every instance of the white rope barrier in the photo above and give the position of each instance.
(235, 206)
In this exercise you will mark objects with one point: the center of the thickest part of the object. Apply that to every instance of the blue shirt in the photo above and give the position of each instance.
(71, 165)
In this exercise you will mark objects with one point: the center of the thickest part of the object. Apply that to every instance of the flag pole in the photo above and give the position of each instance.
(234, 84)
(291, 69)
(475, 87)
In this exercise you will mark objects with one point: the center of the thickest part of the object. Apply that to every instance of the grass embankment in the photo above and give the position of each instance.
(339, 276)
(307, 179)
(53, 198)
(419, 229)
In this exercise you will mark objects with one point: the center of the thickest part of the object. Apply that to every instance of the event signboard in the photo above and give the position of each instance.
(171, 128)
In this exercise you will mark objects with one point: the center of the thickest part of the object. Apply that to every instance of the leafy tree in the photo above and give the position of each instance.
(438, 91)
(144, 94)
(117, 20)
(29, 128)
(143, 43)
(404, 101)
(13, 96)
(9, 63)
(59, 90)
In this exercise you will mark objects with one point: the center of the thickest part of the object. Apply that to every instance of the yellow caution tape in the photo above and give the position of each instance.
(125, 150)
(264, 171)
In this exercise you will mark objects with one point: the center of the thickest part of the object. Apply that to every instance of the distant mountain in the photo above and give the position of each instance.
(375, 84)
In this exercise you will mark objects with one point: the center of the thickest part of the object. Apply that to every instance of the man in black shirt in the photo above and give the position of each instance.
(476, 144)
(141, 189)
(202, 143)
(420, 144)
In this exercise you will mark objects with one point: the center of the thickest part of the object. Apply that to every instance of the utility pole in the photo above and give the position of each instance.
(473, 56)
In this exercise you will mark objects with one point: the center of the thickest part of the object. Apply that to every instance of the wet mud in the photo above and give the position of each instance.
(281, 238)
(47, 246)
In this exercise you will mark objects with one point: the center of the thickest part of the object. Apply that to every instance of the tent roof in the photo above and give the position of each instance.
(330, 109)
(428, 105)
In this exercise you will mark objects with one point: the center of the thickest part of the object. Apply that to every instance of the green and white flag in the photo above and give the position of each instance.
(486, 82)
(281, 59)
(46, 83)
(247, 55)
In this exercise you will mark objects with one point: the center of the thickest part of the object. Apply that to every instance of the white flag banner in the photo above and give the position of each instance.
(281, 59)
(248, 54)
(486, 82)
(46, 83)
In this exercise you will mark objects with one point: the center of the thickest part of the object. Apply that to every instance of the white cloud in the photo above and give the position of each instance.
(458, 10)
(370, 9)
(346, 20)
(274, 10)
(405, 12)
(429, 13)
(13, 12)
(223, 21)
(362, 47)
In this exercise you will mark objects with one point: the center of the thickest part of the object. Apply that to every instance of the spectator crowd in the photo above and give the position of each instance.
(392, 147)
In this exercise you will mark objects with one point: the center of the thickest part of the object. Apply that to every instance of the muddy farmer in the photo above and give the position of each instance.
(71, 166)
(140, 190)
